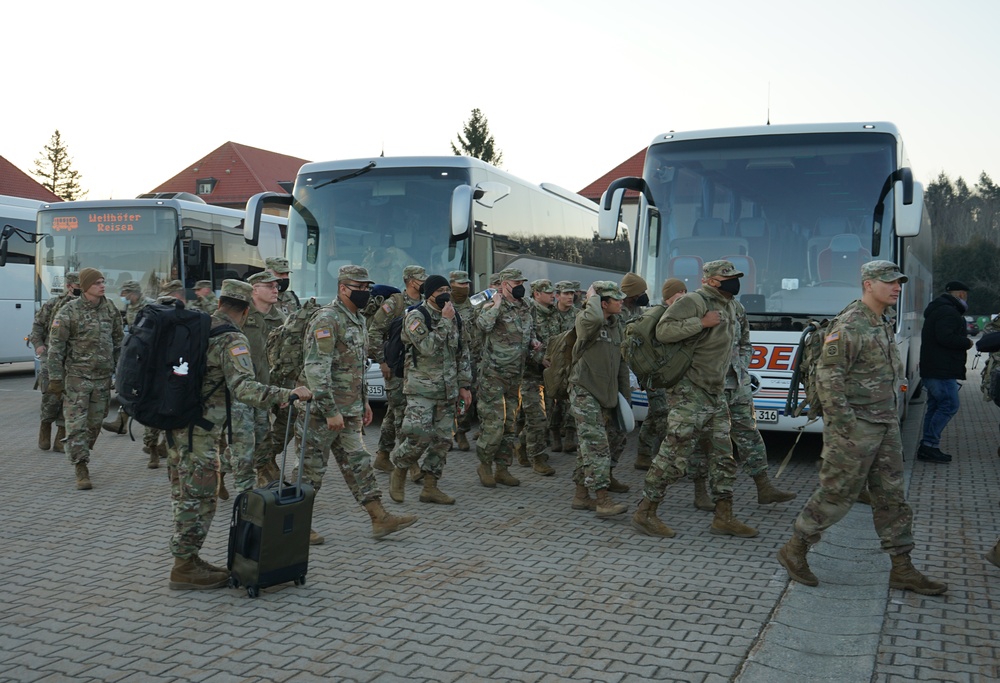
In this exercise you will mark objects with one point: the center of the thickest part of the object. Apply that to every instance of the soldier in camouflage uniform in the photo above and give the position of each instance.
(206, 302)
(696, 404)
(392, 308)
(508, 339)
(858, 376)
(460, 284)
(193, 460)
(438, 374)
(599, 374)
(532, 422)
(562, 426)
(84, 344)
(654, 427)
(131, 292)
(51, 411)
(288, 301)
(334, 352)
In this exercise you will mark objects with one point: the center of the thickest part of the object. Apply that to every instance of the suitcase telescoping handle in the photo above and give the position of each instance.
(284, 453)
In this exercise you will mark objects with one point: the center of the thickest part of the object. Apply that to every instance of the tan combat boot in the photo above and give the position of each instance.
(646, 522)
(82, 477)
(606, 507)
(792, 557)
(209, 566)
(569, 443)
(541, 465)
(643, 461)
(117, 425)
(462, 441)
(384, 523)
(503, 476)
(767, 493)
(57, 444)
(415, 473)
(397, 484)
(906, 577)
(864, 497)
(223, 491)
(315, 538)
(432, 494)
(190, 575)
(726, 525)
(616, 486)
(522, 457)
(993, 556)
(382, 462)
(486, 478)
(582, 499)
(154, 458)
(557, 444)
(702, 500)
(45, 436)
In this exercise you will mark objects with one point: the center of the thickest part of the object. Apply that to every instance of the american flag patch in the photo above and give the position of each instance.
(323, 333)
(387, 307)
(832, 337)
(239, 350)
(414, 325)
(55, 323)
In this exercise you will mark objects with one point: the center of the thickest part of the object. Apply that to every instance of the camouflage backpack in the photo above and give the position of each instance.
(284, 344)
(804, 367)
(657, 365)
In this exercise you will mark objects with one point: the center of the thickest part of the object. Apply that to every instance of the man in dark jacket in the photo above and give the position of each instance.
(943, 346)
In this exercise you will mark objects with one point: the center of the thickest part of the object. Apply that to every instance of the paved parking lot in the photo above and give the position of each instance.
(508, 584)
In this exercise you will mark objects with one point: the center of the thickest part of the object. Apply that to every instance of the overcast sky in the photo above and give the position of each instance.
(141, 90)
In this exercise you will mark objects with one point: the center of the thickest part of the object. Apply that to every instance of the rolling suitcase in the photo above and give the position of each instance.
(269, 530)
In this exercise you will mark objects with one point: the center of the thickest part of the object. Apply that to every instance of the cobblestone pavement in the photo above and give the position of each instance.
(508, 584)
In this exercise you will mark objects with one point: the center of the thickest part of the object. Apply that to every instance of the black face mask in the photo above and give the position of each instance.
(730, 286)
(517, 292)
(442, 299)
(283, 284)
(360, 298)
(642, 300)
(76, 291)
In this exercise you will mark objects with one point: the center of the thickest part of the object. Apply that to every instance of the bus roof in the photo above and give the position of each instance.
(783, 129)
(112, 204)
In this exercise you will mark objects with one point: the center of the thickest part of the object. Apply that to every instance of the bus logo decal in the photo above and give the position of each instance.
(64, 223)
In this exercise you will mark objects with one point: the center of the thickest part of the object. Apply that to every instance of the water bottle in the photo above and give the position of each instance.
(482, 297)
(461, 407)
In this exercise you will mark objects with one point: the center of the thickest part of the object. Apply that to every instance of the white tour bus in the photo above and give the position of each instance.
(797, 208)
(443, 213)
(17, 277)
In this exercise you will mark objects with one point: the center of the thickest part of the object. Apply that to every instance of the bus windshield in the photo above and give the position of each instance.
(794, 212)
(124, 244)
(384, 219)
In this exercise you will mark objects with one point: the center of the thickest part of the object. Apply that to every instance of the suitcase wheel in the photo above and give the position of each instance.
(300, 581)
(234, 582)
(253, 591)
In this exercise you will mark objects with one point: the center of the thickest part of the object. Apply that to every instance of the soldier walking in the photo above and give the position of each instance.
(460, 284)
(532, 417)
(51, 411)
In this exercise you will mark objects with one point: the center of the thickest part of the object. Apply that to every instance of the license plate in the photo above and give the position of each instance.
(378, 391)
(766, 415)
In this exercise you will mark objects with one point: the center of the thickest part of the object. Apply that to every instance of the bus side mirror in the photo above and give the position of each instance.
(49, 242)
(908, 215)
(192, 254)
(255, 207)
(609, 213)
(3, 252)
(461, 210)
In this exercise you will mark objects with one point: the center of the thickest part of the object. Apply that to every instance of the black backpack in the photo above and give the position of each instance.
(394, 348)
(162, 366)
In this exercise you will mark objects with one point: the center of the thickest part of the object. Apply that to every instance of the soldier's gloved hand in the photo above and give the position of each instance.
(55, 388)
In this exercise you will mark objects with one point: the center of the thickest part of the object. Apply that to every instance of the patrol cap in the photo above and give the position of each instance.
(608, 288)
(494, 279)
(633, 285)
(237, 289)
(262, 278)
(278, 265)
(884, 271)
(131, 286)
(565, 286)
(414, 273)
(71, 278)
(354, 273)
(200, 284)
(459, 276)
(543, 285)
(171, 287)
(576, 284)
(720, 269)
(512, 275)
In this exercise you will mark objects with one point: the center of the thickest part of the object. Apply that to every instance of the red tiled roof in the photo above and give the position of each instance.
(630, 167)
(16, 183)
(240, 172)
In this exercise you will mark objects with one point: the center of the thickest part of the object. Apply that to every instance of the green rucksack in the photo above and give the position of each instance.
(804, 367)
(284, 345)
(559, 353)
(657, 365)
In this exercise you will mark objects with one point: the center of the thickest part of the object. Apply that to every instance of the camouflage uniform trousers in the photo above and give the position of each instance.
(150, 438)
(276, 436)
(560, 417)
(872, 453)
(261, 428)
(51, 410)
(85, 405)
(532, 423)
(194, 484)
(395, 407)
(497, 408)
(348, 451)
(693, 415)
(426, 433)
(654, 427)
(750, 450)
(600, 441)
(237, 458)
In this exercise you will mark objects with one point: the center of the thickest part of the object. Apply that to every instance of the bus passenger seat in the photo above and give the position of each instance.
(755, 232)
(825, 230)
(709, 227)
(746, 265)
(686, 268)
(841, 261)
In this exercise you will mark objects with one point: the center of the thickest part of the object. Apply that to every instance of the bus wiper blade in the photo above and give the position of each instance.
(353, 174)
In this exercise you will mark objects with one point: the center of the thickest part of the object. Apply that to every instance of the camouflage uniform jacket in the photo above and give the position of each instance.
(256, 329)
(467, 313)
(228, 359)
(598, 367)
(288, 302)
(546, 324)
(85, 340)
(43, 319)
(508, 335)
(392, 308)
(333, 355)
(437, 361)
(567, 318)
(859, 370)
(738, 373)
(712, 352)
(132, 310)
(206, 304)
